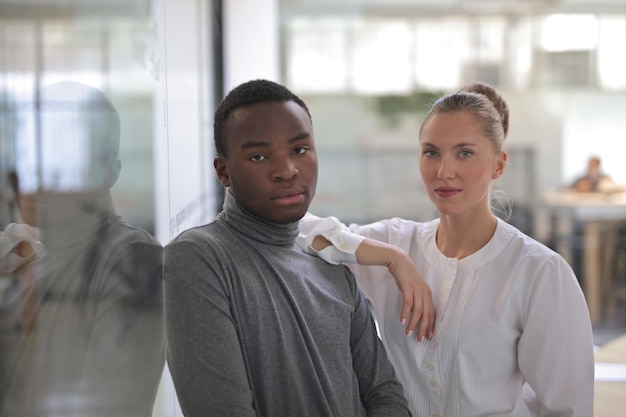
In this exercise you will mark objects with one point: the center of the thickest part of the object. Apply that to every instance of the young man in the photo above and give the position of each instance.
(255, 326)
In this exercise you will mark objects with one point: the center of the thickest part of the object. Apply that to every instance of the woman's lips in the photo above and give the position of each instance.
(446, 192)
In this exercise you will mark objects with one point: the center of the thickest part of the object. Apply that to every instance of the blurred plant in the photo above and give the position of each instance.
(393, 107)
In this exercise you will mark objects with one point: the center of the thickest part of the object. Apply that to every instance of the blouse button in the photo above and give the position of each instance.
(431, 367)
(433, 383)
(343, 246)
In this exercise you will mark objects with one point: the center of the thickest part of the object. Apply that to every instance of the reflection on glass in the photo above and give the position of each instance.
(81, 306)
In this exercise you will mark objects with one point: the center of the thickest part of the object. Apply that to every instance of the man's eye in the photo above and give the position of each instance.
(300, 150)
(257, 158)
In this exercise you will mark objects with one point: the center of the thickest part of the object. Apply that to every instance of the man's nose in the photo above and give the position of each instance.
(284, 169)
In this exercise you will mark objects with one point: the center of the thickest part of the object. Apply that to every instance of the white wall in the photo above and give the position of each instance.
(183, 111)
(251, 41)
(186, 190)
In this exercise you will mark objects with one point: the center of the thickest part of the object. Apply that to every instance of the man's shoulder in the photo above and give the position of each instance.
(202, 234)
(212, 241)
(199, 247)
(334, 275)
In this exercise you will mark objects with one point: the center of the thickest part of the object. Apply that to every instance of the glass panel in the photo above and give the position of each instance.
(81, 331)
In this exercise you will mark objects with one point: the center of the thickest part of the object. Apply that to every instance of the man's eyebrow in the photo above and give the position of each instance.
(263, 144)
(303, 135)
(255, 144)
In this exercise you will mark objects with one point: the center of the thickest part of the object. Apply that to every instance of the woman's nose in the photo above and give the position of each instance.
(446, 169)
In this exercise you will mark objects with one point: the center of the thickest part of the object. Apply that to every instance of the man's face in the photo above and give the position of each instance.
(271, 163)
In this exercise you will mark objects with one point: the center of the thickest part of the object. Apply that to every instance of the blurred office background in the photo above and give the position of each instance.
(368, 69)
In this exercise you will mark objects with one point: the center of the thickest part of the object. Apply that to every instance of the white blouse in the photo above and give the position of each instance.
(511, 319)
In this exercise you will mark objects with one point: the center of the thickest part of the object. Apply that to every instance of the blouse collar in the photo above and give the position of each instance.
(503, 235)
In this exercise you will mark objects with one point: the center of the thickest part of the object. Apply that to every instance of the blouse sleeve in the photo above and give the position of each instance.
(14, 235)
(344, 242)
(556, 346)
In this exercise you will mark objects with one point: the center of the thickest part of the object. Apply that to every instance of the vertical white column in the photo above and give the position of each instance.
(251, 41)
(183, 111)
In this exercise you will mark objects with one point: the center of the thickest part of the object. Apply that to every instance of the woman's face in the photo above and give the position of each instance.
(458, 163)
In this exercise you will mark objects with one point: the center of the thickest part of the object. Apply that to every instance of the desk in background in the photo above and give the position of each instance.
(555, 219)
(610, 396)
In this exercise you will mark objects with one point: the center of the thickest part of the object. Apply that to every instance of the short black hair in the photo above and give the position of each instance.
(247, 94)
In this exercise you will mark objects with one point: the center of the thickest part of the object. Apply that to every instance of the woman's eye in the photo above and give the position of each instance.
(257, 158)
(430, 154)
(465, 154)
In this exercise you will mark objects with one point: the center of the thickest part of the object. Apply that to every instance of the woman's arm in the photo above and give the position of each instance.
(332, 241)
(417, 300)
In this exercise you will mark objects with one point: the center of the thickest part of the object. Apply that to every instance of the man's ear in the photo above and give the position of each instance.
(222, 171)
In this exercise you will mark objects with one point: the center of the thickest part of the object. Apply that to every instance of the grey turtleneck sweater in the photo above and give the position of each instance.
(256, 327)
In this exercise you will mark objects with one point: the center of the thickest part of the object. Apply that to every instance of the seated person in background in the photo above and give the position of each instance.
(255, 326)
(595, 180)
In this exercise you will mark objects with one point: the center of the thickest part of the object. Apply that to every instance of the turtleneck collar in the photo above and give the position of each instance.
(264, 231)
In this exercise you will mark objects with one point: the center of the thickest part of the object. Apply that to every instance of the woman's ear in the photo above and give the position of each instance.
(222, 171)
(501, 159)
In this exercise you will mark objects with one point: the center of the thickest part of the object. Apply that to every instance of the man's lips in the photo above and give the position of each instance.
(288, 197)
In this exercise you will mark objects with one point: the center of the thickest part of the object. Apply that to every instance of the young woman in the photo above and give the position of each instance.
(512, 335)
